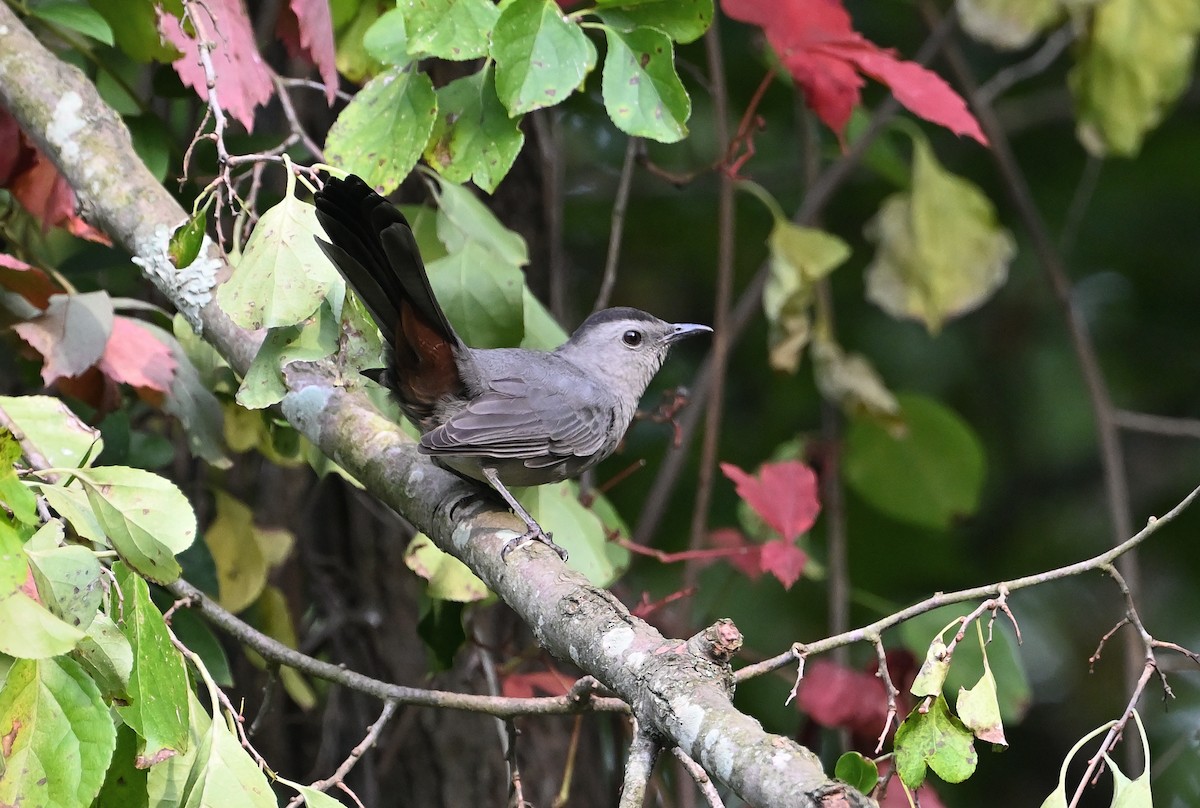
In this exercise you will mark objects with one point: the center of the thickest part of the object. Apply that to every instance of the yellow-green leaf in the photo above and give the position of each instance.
(282, 276)
(800, 256)
(1009, 24)
(449, 578)
(1135, 62)
(941, 251)
(979, 706)
(241, 568)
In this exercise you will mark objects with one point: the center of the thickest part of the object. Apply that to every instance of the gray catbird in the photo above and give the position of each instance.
(507, 416)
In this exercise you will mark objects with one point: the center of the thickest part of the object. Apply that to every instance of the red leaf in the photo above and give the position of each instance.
(29, 282)
(243, 81)
(749, 560)
(784, 560)
(306, 28)
(37, 185)
(784, 495)
(817, 44)
(835, 696)
(538, 683)
(134, 356)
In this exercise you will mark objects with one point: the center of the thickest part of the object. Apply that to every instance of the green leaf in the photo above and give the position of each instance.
(1135, 62)
(979, 706)
(152, 141)
(856, 770)
(473, 138)
(542, 331)
(185, 242)
(541, 57)
(241, 568)
(1008, 24)
(481, 297)
(134, 25)
(194, 633)
(72, 504)
(107, 656)
(682, 20)
(263, 385)
(146, 517)
(69, 581)
(312, 797)
(53, 430)
(441, 629)
(576, 528)
(75, 16)
(383, 130)
(353, 60)
(448, 578)
(935, 740)
(14, 493)
(462, 218)
(800, 256)
(449, 29)
(58, 736)
(941, 252)
(928, 474)
(386, 40)
(642, 93)
(282, 277)
(216, 771)
(158, 684)
(27, 629)
(124, 783)
(931, 678)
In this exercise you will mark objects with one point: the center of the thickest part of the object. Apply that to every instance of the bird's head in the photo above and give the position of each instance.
(625, 346)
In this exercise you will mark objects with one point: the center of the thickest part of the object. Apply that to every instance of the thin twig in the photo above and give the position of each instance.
(272, 649)
(889, 687)
(700, 777)
(339, 774)
(1157, 424)
(1037, 63)
(616, 229)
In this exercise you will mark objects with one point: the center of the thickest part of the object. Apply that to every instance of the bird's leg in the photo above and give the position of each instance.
(534, 532)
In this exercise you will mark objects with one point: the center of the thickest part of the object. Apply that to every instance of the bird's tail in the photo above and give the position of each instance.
(372, 245)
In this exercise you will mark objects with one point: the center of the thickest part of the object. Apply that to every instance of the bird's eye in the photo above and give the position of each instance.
(632, 338)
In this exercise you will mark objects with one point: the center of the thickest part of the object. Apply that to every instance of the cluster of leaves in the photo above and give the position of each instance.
(534, 57)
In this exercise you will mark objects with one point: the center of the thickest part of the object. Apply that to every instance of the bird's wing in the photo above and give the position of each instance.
(519, 420)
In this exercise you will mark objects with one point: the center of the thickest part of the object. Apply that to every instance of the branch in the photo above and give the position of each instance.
(867, 633)
(683, 699)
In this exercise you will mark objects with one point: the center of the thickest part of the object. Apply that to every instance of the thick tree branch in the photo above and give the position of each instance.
(674, 694)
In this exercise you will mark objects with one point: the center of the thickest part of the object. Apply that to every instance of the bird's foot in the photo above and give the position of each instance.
(535, 533)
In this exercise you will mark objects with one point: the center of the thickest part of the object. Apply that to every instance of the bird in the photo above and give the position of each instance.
(502, 416)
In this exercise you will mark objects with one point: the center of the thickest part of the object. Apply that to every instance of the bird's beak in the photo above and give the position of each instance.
(684, 330)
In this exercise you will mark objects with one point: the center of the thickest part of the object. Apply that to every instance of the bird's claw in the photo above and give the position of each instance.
(533, 534)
